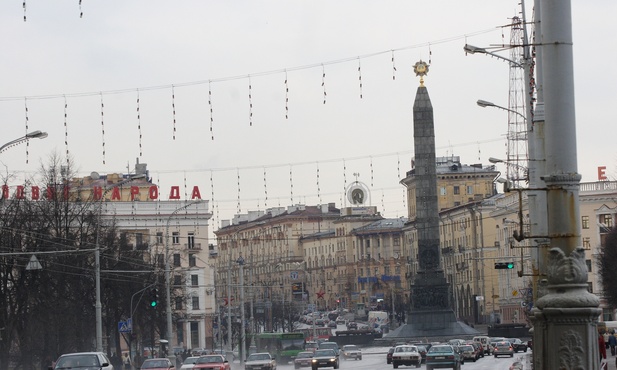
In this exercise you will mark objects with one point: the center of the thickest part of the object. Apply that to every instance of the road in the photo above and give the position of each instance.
(374, 358)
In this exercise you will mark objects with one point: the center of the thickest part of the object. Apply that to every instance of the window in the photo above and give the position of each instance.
(175, 237)
(607, 220)
(177, 280)
(192, 260)
(588, 263)
(178, 303)
(442, 190)
(469, 189)
(585, 222)
(587, 243)
(160, 260)
(590, 287)
(194, 280)
(176, 259)
(191, 240)
(159, 237)
(139, 240)
(195, 303)
(396, 241)
(457, 190)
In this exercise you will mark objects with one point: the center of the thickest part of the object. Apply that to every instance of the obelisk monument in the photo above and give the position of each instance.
(431, 312)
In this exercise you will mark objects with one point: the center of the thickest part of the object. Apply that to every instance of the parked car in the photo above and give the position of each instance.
(217, 362)
(188, 363)
(98, 360)
(503, 348)
(260, 361)
(389, 355)
(352, 325)
(351, 351)
(406, 355)
(332, 324)
(469, 352)
(518, 345)
(442, 356)
(303, 359)
(324, 358)
(157, 364)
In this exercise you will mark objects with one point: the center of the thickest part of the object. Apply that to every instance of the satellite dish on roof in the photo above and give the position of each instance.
(94, 175)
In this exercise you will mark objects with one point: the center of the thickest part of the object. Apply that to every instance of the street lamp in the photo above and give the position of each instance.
(31, 135)
(484, 104)
(470, 49)
(171, 355)
(97, 258)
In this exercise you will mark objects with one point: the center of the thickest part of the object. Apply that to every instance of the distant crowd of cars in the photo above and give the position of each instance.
(454, 353)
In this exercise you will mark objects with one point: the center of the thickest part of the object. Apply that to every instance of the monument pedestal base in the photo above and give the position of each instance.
(422, 324)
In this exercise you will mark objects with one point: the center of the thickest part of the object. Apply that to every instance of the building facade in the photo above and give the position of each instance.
(169, 232)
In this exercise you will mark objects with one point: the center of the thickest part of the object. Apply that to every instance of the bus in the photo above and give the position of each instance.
(284, 346)
(320, 333)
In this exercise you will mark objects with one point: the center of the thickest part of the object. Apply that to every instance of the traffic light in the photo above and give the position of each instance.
(154, 297)
(504, 265)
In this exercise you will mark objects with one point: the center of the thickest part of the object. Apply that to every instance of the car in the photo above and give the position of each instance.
(389, 355)
(157, 364)
(321, 322)
(518, 345)
(469, 352)
(188, 363)
(351, 351)
(330, 345)
(493, 341)
(303, 359)
(340, 320)
(352, 325)
(484, 341)
(311, 346)
(442, 356)
(478, 348)
(407, 355)
(83, 360)
(332, 324)
(217, 362)
(260, 361)
(503, 348)
(324, 358)
(422, 349)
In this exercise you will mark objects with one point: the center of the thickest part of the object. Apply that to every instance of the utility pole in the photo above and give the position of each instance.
(567, 314)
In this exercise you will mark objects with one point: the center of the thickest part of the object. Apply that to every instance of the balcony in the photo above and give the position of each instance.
(193, 246)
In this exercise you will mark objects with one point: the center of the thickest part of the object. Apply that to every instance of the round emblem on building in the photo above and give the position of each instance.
(357, 194)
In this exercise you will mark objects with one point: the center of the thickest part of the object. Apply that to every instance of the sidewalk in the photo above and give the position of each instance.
(610, 361)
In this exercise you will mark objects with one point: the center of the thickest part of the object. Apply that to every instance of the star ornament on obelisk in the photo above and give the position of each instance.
(421, 69)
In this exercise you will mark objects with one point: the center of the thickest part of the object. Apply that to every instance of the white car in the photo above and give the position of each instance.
(84, 360)
(406, 355)
(260, 361)
(189, 362)
(350, 351)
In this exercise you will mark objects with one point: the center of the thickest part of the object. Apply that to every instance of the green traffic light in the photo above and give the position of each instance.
(510, 265)
(153, 304)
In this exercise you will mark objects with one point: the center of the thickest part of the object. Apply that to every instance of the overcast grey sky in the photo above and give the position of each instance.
(120, 48)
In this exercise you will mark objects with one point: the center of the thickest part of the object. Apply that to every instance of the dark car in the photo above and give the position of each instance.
(389, 356)
(324, 358)
(442, 356)
(518, 345)
(422, 349)
(303, 359)
(352, 325)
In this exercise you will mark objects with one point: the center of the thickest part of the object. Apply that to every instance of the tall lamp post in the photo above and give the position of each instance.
(97, 263)
(171, 355)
